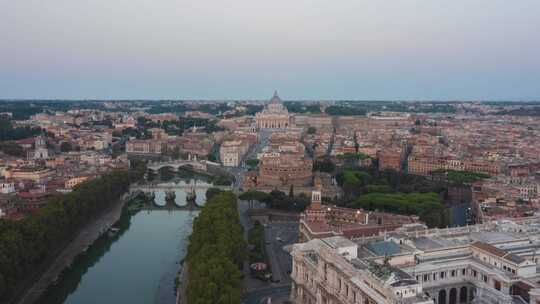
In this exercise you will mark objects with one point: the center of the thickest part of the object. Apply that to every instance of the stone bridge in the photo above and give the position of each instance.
(191, 205)
(192, 164)
(151, 187)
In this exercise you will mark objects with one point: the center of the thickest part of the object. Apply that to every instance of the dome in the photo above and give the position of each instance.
(275, 98)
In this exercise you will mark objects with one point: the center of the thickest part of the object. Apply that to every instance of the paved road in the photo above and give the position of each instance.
(276, 294)
(280, 261)
(278, 235)
(239, 172)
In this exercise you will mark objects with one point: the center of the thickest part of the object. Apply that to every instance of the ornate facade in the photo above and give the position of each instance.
(274, 115)
(487, 263)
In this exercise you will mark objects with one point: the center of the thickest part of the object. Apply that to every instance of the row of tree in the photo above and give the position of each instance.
(278, 200)
(344, 110)
(428, 206)
(26, 244)
(178, 126)
(300, 107)
(8, 132)
(393, 191)
(11, 148)
(460, 178)
(216, 252)
(355, 182)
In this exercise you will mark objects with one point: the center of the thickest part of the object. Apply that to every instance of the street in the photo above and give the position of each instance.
(277, 235)
(261, 296)
(239, 172)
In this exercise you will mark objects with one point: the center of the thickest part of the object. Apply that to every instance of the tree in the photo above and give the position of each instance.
(175, 153)
(291, 191)
(116, 133)
(254, 195)
(211, 157)
(252, 163)
(211, 192)
(65, 146)
(352, 181)
(220, 180)
(11, 148)
(8, 132)
(345, 110)
(215, 253)
(25, 244)
(166, 173)
(137, 169)
(428, 206)
(325, 165)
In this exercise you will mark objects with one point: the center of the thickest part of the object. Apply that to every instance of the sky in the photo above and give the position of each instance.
(244, 49)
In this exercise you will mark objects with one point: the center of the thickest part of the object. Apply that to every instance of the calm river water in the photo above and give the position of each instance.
(136, 265)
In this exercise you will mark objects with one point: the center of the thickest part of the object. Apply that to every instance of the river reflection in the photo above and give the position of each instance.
(138, 264)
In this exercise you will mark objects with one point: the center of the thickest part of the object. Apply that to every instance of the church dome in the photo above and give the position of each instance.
(275, 99)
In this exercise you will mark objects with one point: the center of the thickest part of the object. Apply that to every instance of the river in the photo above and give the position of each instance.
(138, 264)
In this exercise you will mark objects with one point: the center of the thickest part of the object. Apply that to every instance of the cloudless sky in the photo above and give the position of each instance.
(307, 49)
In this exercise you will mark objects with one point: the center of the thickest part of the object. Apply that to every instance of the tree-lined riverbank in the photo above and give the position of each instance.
(30, 246)
(136, 265)
(27, 246)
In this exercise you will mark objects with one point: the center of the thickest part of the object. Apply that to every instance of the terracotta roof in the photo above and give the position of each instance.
(513, 258)
(489, 248)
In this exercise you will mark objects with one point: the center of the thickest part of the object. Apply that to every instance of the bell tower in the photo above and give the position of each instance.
(315, 199)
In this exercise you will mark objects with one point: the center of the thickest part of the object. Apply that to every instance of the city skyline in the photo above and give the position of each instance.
(415, 50)
(244, 151)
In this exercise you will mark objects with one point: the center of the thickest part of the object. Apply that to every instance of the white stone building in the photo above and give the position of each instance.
(488, 263)
(274, 116)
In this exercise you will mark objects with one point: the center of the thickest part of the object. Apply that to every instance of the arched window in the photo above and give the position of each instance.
(442, 297)
(463, 294)
(453, 296)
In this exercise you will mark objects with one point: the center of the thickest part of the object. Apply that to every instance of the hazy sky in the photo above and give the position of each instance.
(333, 49)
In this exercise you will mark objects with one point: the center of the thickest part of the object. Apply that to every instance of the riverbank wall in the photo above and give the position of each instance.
(181, 297)
(79, 244)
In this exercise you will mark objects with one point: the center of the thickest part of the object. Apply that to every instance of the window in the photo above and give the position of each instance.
(463, 271)
(453, 273)
(426, 277)
(485, 278)
(442, 274)
(474, 273)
